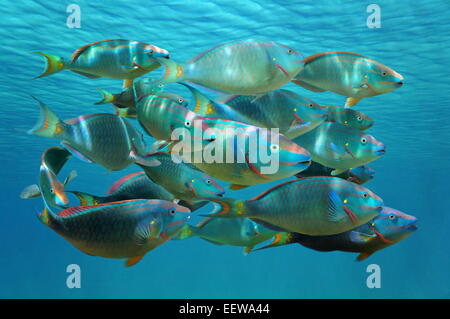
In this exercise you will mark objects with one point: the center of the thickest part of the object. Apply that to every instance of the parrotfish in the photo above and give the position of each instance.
(102, 138)
(246, 67)
(349, 74)
(388, 228)
(52, 190)
(340, 147)
(348, 117)
(125, 102)
(159, 114)
(133, 186)
(311, 206)
(185, 181)
(242, 232)
(360, 175)
(116, 59)
(292, 114)
(126, 229)
(245, 155)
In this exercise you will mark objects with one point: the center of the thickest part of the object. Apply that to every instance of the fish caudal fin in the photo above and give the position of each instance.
(53, 65)
(228, 207)
(107, 97)
(351, 101)
(31, 191)
(48, 124)
(174, 71)
(86, 199)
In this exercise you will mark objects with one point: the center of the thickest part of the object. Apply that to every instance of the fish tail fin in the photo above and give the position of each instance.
(187, 231)
(280, 239)
(174, 71)
(228, 207)
(108, 97)
(31, 191)
(86, 199)
(48, 124)
(53, 64)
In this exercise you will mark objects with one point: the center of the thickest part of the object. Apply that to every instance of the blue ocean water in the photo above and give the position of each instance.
(412, 121)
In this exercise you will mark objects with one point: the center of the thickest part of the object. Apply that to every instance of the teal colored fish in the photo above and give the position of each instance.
(115, 59)
(231, 154)
(133, 186)
(245, 67)
(340, 147)
(102, 138)
(51, 189)
(311, 206)
(125, 101)
(292, 114)
(127, 229)
(360, 175)
(388, 228)
(348, 117)
(349, 74)
(182, 180)
(242, 232)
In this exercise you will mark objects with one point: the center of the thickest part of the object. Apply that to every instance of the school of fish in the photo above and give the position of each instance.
(321, 151)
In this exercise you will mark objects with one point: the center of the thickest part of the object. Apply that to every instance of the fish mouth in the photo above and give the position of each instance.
(380, 152)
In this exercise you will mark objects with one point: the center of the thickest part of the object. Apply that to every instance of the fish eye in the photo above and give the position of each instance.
(359, 118)
(208, 181)
(310, 105)
(365, 195)
(188, 123)
(364, 140)
(384, 73)
(180, 100)
(172, 211)
(290, 51)
(51, 190)
(160, 85)
(391, 217)
(274, 147)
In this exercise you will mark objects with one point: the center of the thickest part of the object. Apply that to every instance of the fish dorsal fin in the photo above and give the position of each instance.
(76, 54)
(322, 54)
(73, 211)
(117, 184)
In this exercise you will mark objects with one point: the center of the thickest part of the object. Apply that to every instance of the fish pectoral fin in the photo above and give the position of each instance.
(31, 191)
(72, 175)
(361, 238)
(257, 97)
(351, 101)
(133, 261)
(76, 153)
(364, 255)
(248, 249)
(335, 207)
(337, 171)
(127, 83)
(237, 186)
(308, 86)
(91, 76)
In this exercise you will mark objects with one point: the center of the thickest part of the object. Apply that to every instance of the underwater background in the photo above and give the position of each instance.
(413, 122)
